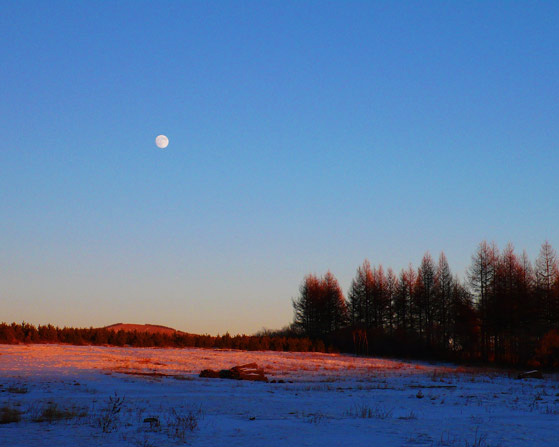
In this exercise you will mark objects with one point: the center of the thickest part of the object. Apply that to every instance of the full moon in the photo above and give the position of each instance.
(162, 141)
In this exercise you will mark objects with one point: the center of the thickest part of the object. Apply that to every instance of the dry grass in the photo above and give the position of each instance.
(448, 440)
(316, 418)
(363, 411)
(9, 414)
(52, 412)
(17, 389)
(190, 361)
(409, 417)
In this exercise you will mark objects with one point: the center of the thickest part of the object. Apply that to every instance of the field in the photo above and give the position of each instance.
(53, 395)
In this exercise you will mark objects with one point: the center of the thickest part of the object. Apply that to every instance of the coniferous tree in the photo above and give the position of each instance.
(426, 274)
(481, 276)
(442, 298)
(320, 308)
(307, 306)
(391, 294)
(463, 325)
(360, 297)
(547, 287)
(380, 298)
(403, 301)
(504, 311)
(336, 313)
(528, 329)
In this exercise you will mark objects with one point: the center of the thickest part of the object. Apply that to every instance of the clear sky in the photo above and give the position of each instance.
(304, 136)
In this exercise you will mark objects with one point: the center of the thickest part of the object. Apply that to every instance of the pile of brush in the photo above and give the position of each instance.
(250, 371)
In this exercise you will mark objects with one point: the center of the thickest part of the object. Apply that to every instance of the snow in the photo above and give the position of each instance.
(325, 400)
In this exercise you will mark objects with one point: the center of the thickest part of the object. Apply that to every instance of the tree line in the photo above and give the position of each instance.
(282, 340)
(506, 309)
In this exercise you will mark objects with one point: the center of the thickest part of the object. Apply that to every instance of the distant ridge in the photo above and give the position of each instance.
(149, 328)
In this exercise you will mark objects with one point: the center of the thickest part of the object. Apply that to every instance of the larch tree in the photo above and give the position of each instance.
(360, 296)
(320, 308)
(335, 312)
(426, 273)
(307, 306)
(547, 287)
(391, 294)
(481, 275)
(442, 296)
(380, 298)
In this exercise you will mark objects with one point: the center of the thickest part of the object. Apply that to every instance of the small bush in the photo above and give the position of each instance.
(109, 416)
(179, 425)
(9, 414)
(480, 440)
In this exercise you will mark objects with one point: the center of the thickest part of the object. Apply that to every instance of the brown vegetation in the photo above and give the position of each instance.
(51, 412)
(9, 414)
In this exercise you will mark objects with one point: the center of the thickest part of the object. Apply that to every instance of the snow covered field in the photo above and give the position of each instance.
(65, 396)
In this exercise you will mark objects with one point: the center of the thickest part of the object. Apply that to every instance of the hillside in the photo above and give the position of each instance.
(150, 328)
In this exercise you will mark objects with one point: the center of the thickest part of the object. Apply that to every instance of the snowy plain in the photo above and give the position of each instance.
(317, 400)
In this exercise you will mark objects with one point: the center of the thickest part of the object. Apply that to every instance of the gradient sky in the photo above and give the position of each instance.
(304, 136)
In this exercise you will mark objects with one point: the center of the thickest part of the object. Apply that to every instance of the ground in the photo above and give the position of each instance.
(90, 396)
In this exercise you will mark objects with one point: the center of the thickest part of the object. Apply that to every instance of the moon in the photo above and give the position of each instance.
(162, 141)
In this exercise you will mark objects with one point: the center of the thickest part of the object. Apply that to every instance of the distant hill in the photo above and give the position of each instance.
(150, 328)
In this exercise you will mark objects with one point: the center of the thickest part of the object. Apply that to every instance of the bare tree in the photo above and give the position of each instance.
(547, 281)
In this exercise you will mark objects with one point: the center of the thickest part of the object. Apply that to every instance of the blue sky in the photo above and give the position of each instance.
(304, 136)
